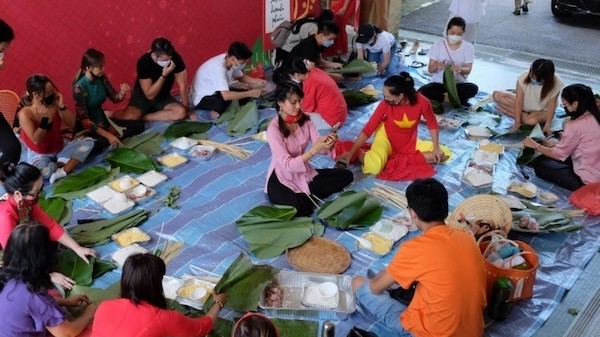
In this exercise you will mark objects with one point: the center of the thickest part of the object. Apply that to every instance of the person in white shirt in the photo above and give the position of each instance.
(451, 51)
(470, 10)
(377, 45)
(221, 80)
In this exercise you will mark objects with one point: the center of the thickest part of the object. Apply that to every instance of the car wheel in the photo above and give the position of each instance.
(557, 12)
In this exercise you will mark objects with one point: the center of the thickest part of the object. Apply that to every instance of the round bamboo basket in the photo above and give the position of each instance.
(319, 255)
(483, 207)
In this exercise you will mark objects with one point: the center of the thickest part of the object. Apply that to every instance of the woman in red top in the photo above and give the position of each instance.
(41, 119)
(323, 101)
(23, 184)
(393, 154)
(142, 309)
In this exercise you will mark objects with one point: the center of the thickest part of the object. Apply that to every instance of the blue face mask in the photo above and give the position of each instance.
(535, 81)
(328, 43)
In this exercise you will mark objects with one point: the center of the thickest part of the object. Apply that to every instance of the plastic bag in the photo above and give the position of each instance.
(587, 198)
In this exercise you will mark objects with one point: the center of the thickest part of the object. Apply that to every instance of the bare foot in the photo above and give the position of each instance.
(214, 115)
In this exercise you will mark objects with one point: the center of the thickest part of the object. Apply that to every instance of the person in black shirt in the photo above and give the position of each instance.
(10, 148)
(311, 48)
(157, 71)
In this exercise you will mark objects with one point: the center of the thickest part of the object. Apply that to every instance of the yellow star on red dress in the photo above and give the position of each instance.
(405, 123)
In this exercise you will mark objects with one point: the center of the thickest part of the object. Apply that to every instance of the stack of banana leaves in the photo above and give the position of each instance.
(78, 184)
(271, 230)
(536, 218)
(74, 267)
(99, 232)
(350, 210)
(355, 98)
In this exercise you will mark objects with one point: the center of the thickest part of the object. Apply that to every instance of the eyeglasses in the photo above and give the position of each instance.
(37, 194)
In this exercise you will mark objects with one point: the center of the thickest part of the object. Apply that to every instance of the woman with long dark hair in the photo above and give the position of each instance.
(142, 309)
(26, 308)
(41, 119)
(535, 98)
(574, 160)
(23, 183)
(394, 154)
(90, 90)
(254, 325)
(291, 180)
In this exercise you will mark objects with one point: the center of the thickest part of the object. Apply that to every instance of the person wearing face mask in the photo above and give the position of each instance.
(90, 90)
(451, 52)
(312, 47)
(10, 148)
(574, 160)
(322, 96)
(23, 184)
(535, 98)
(42, 117)
(221, 80)
(470, 10)
(377, 45)
(157, 72)
(294, 140)
(395, 153)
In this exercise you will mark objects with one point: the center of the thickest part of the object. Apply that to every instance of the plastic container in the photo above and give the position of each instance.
(479, 175)
(293, 285)
(194, 292)
(139, 193)
(119, 203)
(389, 229)
(478, 132)
(123, 183)
(101, 194)
(122, 254)
(172, 160)
(152, 178)
(183, 143)
(487, 145)
(380, 244)
(480, 156)
(202, 152)
(130, 236)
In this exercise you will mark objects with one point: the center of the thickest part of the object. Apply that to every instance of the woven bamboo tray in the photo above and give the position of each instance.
(482, 207)
(319, 255)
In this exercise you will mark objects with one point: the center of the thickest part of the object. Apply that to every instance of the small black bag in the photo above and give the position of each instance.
(402, 295)
(356, 332)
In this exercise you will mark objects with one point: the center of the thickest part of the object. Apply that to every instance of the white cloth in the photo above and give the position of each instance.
(385, 41)
(532, 93)
(470, 10)
(440, 51)
(212, 76)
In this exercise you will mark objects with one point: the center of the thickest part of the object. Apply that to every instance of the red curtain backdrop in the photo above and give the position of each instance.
(51, 36)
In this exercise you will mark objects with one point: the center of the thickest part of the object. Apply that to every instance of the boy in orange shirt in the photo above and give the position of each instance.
(446, 264)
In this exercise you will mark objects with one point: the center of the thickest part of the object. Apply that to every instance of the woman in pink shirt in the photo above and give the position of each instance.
(291, 180)
(573, 161)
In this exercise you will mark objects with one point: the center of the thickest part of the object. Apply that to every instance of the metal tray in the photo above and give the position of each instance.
(293, 284)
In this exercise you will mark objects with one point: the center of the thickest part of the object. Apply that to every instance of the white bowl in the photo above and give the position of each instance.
(328, 289)
(198, 293)
(140, 191)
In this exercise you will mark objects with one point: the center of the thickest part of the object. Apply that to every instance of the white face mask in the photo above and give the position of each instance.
(1, 56)
(328, 43)
(454, 39)
(163, 63)
(296, 80)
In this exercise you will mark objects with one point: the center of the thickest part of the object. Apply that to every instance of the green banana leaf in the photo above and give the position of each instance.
(72, 266)
(259, 54)
(186, 129)
(99, 232)
(92, 177)
(350, 209)
(296, 328)
(102, 267)
(437, 107)
(355, 67)
(88, 177)
(243, 282)
(271, 230)
(283, 212)
(245, 119)
(146, 143)
(96, 296)
(229, 113)
(129, 160)
(58, 209)
(450, 84)
(528, 155)
(356, 98)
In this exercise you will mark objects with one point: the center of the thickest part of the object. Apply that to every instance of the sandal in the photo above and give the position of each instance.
(423, 51)
(417, 64)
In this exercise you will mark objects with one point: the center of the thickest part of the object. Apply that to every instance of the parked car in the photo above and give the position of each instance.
(561, 8)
